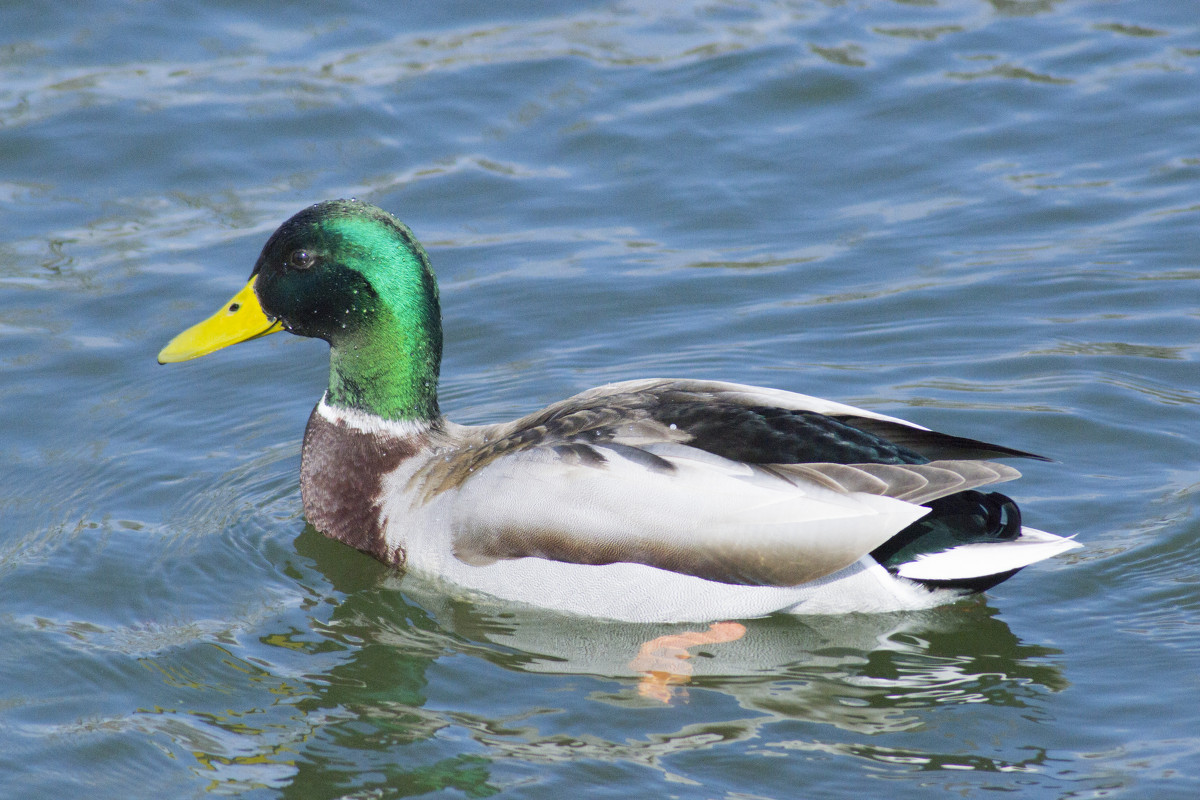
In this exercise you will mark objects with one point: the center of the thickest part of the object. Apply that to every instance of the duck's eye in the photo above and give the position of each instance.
(301, 259)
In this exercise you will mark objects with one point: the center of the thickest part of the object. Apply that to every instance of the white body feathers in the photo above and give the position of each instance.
(723, 539)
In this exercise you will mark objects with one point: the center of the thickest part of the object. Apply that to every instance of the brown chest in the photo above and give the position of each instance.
(341, 482)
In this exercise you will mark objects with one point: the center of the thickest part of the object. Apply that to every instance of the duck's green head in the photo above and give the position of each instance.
(353, 275)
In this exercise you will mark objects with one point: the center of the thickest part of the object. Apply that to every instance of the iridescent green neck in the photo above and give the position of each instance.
(388, 370)
(386, 336)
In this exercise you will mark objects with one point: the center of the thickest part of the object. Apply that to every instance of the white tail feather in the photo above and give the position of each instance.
(987, 558)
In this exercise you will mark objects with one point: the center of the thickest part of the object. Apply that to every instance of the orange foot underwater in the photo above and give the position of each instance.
(663, 662)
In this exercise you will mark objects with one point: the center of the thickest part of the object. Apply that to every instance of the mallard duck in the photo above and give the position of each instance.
(647, 500)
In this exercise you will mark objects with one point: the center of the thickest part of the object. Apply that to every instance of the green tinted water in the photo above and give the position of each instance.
(978, 216)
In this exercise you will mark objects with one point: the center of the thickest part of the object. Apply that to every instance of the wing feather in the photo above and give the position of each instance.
(707, 517)
(642, 472)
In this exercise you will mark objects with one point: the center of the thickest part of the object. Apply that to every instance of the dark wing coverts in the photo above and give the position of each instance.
(645, 422)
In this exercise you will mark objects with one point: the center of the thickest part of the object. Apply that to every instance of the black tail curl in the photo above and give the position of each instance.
(964, 518)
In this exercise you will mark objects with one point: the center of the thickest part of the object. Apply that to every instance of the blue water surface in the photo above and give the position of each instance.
(980, 216)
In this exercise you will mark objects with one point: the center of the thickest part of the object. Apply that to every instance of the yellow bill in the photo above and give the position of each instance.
(240, 320)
